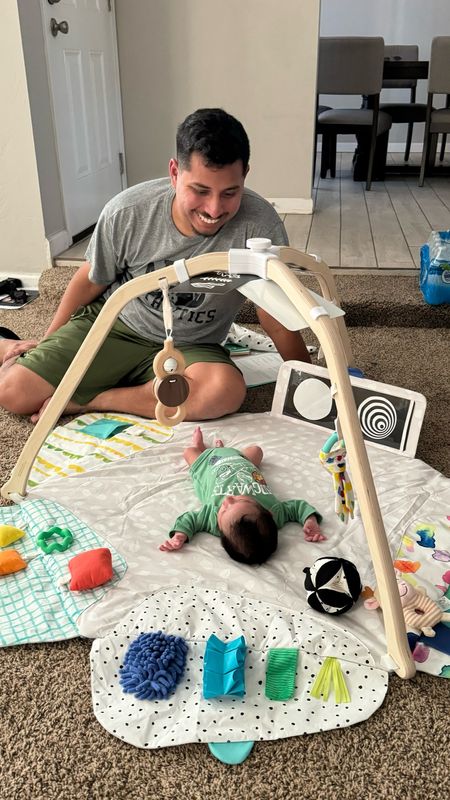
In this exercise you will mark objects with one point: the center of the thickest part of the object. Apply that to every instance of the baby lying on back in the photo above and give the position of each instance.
(237, 505)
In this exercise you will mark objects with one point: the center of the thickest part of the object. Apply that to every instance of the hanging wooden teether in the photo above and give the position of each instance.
(170, 386)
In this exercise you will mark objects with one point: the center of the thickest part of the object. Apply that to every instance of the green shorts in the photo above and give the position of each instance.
(124, 359)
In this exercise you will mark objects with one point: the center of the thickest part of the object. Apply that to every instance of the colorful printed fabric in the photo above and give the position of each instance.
(423, 558)
(33, 608)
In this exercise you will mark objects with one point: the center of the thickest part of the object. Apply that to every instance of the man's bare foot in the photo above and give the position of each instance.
(5, 344)
(197, 438)
(71, 408)
(12, 348)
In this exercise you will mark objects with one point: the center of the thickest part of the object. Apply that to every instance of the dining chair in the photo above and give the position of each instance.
(327, 158)
(444, 135)
(437, 119)
(404, 112)
(351, 65)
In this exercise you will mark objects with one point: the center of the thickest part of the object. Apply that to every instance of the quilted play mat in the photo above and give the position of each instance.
(129, 505)
(132, 504)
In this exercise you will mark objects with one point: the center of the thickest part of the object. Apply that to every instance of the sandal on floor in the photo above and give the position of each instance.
(6, 333)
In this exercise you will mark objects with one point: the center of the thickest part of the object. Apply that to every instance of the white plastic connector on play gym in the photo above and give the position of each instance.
(388, 663)
(319, 311)
(16, 497)
(258, 244)
(253, 259)
(181, 270)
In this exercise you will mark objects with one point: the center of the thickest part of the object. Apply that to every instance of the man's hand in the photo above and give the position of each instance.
(17, 348)
(175, 543)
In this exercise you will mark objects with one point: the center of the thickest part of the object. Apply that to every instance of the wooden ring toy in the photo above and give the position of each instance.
(170, 386)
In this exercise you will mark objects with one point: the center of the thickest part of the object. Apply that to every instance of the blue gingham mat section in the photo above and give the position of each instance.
(33, 608)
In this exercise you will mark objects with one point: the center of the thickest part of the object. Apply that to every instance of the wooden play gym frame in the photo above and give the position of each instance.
(269, 263)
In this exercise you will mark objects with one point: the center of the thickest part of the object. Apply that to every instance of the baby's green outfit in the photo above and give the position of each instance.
(222, 471)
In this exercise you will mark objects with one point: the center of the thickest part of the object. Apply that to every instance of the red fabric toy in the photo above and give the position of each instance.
(90, 569)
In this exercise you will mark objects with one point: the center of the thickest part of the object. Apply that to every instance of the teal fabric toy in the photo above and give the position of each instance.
(223, 672)
(105, 428)
(54, 540)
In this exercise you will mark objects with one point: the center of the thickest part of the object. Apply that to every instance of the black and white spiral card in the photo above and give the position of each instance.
(390, 417)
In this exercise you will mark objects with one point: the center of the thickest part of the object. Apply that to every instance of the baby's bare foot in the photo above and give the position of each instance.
(197, 437)
(218, 443)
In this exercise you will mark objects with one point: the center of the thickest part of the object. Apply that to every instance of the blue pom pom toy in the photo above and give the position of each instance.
(153, 665)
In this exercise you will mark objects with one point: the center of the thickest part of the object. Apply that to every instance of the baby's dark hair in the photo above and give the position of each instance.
(216, 136)
(252, 541)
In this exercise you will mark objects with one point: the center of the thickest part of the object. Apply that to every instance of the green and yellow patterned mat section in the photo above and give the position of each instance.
(68, 450)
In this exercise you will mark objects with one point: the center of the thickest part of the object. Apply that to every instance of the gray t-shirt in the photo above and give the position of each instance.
(135, 234)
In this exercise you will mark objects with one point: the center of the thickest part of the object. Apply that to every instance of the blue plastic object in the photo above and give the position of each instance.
(435, 268)
(223, 671)
(154, 663)
(231, 752)
(356, 372)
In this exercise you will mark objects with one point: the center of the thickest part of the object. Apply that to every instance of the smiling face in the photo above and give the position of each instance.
(205, 197)
(233, 508)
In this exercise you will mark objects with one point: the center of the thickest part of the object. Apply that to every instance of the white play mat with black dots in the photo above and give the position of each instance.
(185, 716)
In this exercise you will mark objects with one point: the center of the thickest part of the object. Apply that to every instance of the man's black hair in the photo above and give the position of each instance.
(252, 541)
(216, 136)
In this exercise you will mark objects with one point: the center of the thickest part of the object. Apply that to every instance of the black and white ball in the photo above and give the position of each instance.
(332, 585)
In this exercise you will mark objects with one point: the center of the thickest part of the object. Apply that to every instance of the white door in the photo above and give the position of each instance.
(84, 85)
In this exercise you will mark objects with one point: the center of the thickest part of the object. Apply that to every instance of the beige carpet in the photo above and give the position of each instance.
(52, 747)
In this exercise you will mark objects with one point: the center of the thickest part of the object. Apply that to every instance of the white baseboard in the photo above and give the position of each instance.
(58, 242)
(292, 205)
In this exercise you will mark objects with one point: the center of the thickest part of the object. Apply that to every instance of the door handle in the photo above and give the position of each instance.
(52, 2)
(58, 27)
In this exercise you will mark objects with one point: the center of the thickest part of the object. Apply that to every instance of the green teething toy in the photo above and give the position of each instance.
(63, 534)
(280, 673)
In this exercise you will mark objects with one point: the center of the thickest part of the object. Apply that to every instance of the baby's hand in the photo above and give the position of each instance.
(312, 531)
(175, 543)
